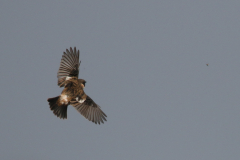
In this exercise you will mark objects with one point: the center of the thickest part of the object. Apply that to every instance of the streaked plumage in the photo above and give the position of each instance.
(73, 92)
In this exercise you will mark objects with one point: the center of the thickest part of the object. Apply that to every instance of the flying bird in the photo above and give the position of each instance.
(73, 92)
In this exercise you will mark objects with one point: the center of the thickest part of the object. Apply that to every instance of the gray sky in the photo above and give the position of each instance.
(145, 65)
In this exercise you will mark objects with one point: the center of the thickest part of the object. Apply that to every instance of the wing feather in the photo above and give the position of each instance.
(90, 110)
(69, 65)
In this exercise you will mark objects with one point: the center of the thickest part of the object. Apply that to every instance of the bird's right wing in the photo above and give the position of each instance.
(90, 110)
(69, 66)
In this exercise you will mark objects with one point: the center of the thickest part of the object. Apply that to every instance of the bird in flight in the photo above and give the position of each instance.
(73, 92)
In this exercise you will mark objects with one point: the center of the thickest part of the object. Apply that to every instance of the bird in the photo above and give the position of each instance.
(207, 64)
(73, 92)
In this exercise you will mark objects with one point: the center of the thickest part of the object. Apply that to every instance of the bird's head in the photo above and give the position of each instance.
(82, 82)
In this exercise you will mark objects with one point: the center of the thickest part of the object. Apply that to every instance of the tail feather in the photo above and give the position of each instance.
(59, 110)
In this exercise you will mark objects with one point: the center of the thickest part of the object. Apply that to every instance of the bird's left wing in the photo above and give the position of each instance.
(89, 109)
(69, 66)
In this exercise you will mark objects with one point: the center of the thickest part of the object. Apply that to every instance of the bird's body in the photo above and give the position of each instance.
(73, 92)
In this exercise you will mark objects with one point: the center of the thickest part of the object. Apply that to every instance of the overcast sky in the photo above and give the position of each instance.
(145, 65)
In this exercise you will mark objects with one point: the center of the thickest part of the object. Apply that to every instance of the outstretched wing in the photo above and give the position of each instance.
(89, 109)
(69, 66)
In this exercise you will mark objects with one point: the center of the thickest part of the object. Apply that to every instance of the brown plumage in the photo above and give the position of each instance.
(73, 92)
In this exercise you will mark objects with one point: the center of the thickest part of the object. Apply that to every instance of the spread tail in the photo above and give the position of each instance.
(59, 110)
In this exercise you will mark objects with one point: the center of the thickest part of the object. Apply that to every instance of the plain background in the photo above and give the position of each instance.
(145, 65)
